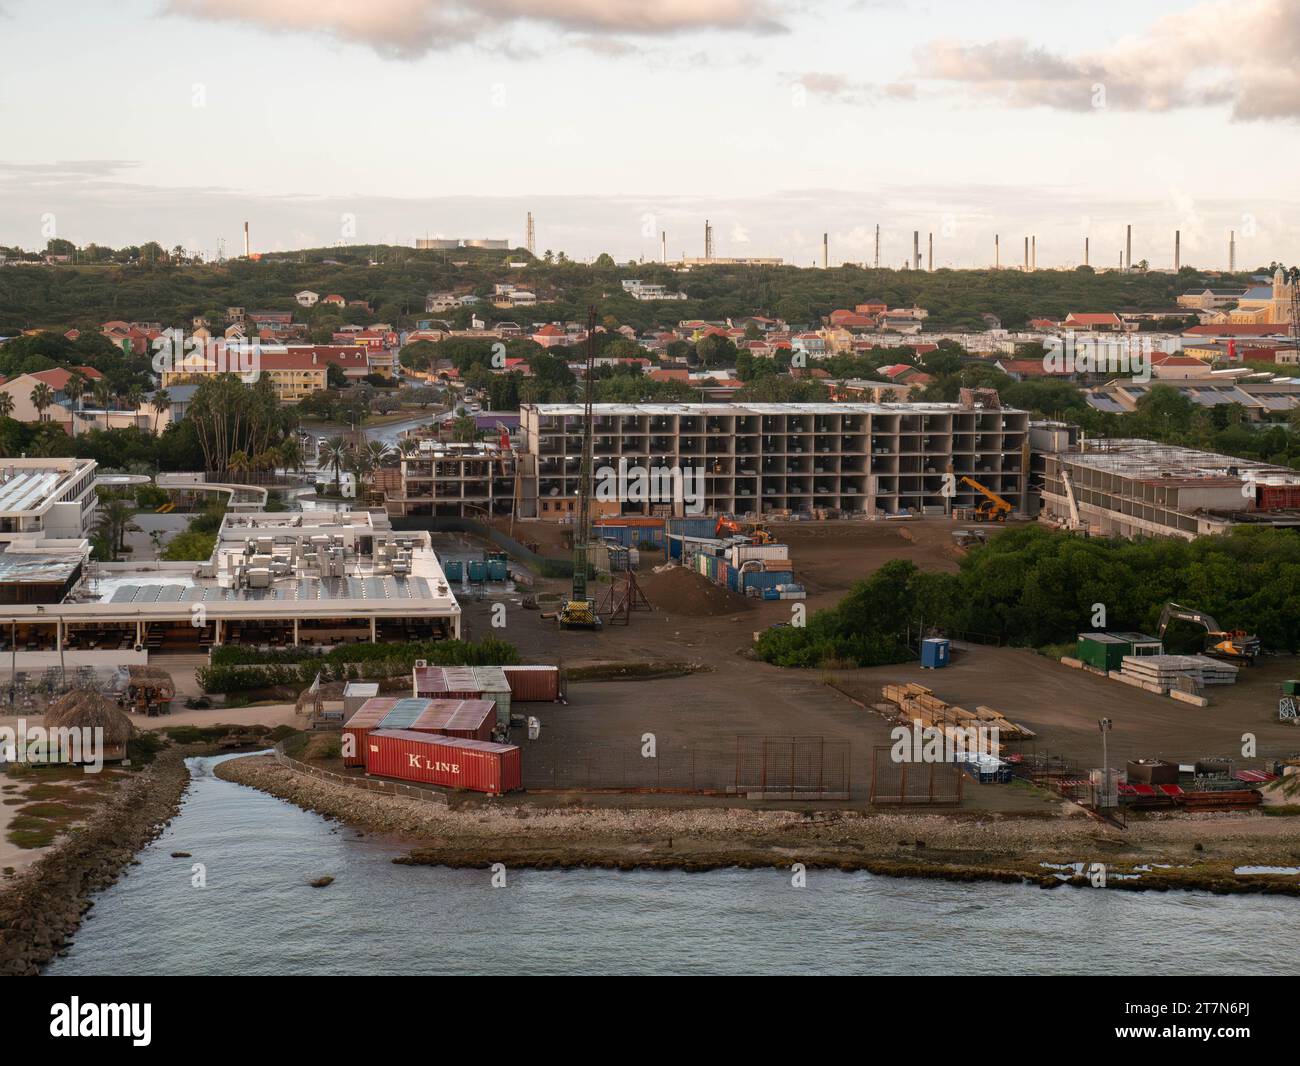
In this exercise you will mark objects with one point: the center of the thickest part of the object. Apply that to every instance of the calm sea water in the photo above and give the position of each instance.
(258, 915)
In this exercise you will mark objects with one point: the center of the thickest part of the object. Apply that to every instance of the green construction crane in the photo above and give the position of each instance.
(580, 611)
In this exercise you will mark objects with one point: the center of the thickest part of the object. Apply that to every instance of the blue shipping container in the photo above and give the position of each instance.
(767, 579)
(934, 653)
(477, 570)
(454, 570)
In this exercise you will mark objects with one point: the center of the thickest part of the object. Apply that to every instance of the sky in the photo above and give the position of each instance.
(326, 122)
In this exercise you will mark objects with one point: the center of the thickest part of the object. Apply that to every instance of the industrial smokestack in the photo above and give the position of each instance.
(1026, 255)
(826, 251)
(531, 239)
(997, 253)
(930, 260)
(877, 261)
(246, 245)
(1087, 251)
(1128, 247)
(1178, 250)
(916, 249)
(663, 241)
(1033, 254)
(1232, 250)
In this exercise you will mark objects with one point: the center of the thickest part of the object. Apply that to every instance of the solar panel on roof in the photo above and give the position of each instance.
(170, 593)
(125, 594)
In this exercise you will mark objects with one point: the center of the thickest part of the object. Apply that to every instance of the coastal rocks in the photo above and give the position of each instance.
(952, 846)
(42, 908)
(322, 882)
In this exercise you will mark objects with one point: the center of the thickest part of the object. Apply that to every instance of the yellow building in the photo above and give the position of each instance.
(1265, 304)
(292, 374)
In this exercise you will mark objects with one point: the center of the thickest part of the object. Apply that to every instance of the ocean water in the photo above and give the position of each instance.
(258, 914)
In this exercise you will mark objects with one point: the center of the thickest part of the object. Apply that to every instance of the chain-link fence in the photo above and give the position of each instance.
(914, 783)
(758, 766)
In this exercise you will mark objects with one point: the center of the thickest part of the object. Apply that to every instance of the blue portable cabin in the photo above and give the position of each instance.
(934, 653)
(454, 569)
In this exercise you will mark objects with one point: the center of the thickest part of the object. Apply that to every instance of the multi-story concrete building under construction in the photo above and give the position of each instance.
(1134, 488)
(772, 457)
(456, 480)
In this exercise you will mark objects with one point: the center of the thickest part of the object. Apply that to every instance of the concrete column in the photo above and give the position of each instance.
(139, 633)
(374, 630)
(58, 634)
(216, 632)
(295, 632)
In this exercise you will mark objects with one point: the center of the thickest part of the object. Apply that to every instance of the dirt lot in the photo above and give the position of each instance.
(702, 713)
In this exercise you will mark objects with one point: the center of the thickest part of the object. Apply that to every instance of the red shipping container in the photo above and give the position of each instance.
(1278, 497)
(356, 728)
(467, 719)
(533, 684)
(446, 683)
(448, 761)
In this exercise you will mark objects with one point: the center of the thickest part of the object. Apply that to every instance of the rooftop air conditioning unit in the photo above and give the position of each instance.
(421, 664)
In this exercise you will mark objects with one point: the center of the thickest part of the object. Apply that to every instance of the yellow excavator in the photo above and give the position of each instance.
(1235, 645)
(995, 509)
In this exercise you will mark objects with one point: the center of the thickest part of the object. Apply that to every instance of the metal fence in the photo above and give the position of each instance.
(792, 766)
(759, 766)
(363, 784)
(914, 783)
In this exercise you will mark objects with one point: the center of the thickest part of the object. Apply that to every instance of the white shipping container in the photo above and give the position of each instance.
(744, 552)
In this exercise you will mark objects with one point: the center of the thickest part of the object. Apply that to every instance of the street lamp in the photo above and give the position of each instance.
(1104, 726)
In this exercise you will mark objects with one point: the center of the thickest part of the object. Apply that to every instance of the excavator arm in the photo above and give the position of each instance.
(1173, 612)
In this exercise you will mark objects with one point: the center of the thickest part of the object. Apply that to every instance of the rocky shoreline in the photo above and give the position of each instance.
(1198, 852)
(42, 907)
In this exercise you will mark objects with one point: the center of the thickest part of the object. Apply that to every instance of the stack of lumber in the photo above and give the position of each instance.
(921, 704)
(1160, 673)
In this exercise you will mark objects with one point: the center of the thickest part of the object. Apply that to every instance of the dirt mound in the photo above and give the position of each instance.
(680, 591)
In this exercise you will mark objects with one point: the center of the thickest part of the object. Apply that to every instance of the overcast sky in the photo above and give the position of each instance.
(612, 120)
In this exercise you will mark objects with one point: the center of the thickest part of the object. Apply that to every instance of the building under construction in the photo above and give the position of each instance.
(456, 480)
(851, 458)
(1127, 487)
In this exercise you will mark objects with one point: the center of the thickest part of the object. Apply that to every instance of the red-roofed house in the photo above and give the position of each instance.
(551, 336)
(1108, 321)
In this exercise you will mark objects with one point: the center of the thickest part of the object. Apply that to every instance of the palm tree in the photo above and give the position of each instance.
(238, 462)
(161, 402)
(379, 453)
(74, 390)
(409, 445)
(291, 453)
(42, 399)
(103, 393)
(464, 430)
(112, 523)
(334, 453)
(6, 405)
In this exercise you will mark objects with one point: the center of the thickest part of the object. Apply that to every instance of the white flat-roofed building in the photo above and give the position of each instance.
(281, 579)
(43, 499)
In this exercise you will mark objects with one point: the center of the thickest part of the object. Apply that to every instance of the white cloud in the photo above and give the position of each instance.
(1234, 53)
(413, 27)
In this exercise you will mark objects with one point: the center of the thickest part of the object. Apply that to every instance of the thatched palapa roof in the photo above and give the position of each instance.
(152, 679)
(88, 709)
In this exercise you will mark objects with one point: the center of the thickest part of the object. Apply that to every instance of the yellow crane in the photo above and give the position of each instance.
(996, 510)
